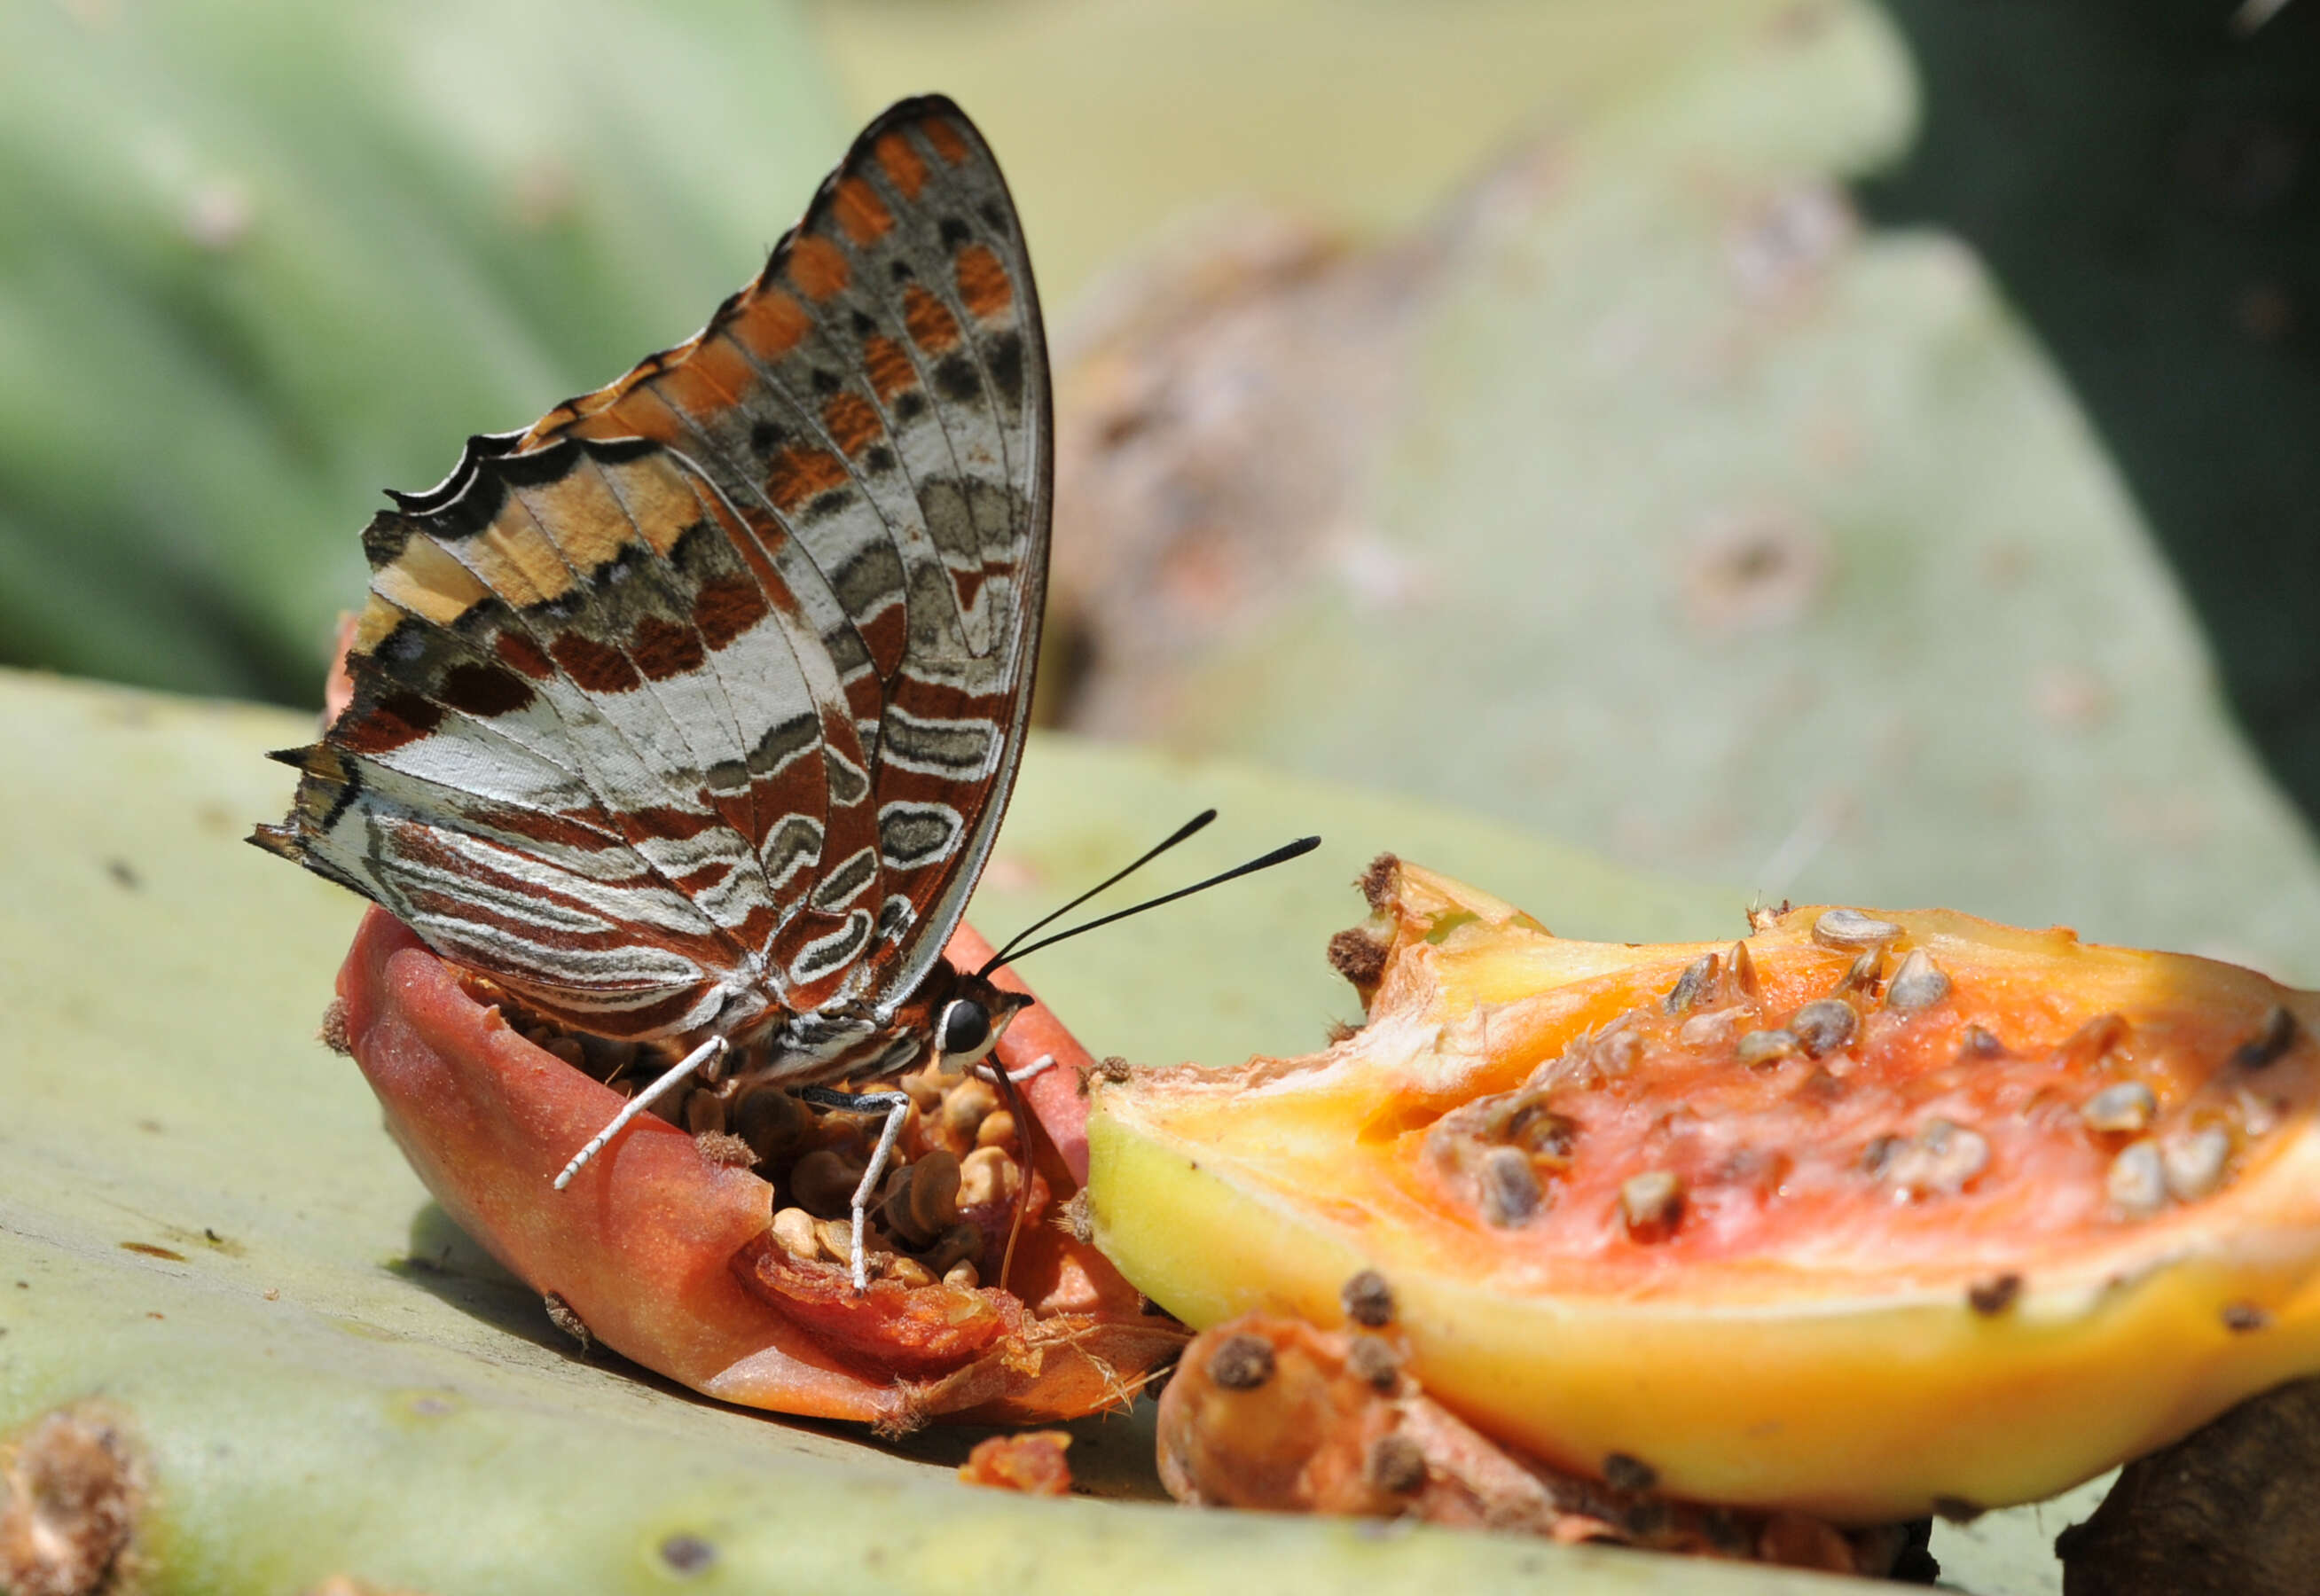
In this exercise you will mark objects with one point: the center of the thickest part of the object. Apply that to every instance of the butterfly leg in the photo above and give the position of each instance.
(897, 1107)
(712, 1049)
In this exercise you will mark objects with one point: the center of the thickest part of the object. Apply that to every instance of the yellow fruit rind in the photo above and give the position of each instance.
(1836, 1392)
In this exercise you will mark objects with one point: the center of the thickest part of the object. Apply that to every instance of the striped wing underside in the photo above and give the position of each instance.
(702, 697)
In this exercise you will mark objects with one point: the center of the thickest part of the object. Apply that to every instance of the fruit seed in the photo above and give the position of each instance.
(1825, 1026)
(1374, 1363)
(958, 1245)
(793, 1229)
(2193, 1163)
(2137, 1182)
(1849, 928)
(1368, 1300)
(1698, 978)
(987, 1175)
(1510, 1189)
(1943, 1158)
(822, 1182)
(1919, 983)
(1650, 1201)
(2129, 1106)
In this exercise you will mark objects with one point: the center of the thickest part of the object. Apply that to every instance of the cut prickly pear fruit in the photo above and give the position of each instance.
(1865, 1215)
(666, 1247)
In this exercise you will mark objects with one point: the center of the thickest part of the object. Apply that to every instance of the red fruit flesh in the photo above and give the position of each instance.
(662, 1254)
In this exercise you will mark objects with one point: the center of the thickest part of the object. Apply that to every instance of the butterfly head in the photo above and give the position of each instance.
(969, 1026)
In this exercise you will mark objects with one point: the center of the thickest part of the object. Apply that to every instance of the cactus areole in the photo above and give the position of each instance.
(671, 1249)
(1866, 1214)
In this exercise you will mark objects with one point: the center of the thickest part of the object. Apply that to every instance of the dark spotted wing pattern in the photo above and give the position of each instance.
(697, 703)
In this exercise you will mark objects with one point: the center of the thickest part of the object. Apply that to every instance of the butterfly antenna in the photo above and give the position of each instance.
(1279, 855)
(1175, 836)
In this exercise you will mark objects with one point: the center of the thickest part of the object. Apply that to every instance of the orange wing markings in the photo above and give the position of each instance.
(798, 473)
(713, 380)
(570, 415)
(519, 651)
(851, 423)
(769, 322)
(654, 494)
(517, 559)
(579, 515)
(888, 368)
(948, 142)
(860, 212)
(900, 163)
(694, 883)
(662, 648)
(666, 823)
(593, 667)
(757, 927)
(375, 625)
(966, 585)
(983, 284)
(886, 635)
(727, 607)
(426, 581)
(398, 719)
(818, 269)
(483, 691)
(931, 326)
(557, 830)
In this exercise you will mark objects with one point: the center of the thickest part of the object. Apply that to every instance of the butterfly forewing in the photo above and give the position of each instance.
(701, 699)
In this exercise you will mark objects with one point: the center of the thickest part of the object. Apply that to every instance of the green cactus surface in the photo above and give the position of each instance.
(260, 258)
(1652, 500)
(206, 1239)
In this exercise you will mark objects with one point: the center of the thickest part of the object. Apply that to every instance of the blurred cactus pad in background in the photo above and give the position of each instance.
(1810, 449)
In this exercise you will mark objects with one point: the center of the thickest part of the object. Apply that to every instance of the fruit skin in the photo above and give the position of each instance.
(1843, 1370)
(656, 1249)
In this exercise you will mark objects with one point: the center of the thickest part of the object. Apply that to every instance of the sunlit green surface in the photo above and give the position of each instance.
(330, 1380)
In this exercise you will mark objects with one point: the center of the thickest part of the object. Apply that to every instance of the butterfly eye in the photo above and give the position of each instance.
(965, 1032)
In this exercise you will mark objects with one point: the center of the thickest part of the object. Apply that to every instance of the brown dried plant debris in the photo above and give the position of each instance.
(332, 1032)
(73, 1487)
(1277, 1415)
(560, 1315)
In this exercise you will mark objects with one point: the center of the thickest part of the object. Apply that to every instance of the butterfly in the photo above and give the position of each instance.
(688, 714)
(693, 709)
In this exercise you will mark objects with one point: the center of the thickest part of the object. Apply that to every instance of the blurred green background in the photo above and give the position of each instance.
(1823, 449)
